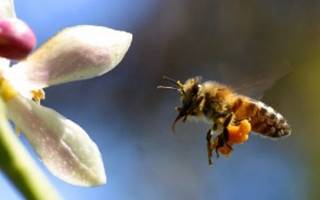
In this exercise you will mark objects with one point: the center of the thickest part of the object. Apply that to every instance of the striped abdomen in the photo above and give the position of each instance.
(264, 119)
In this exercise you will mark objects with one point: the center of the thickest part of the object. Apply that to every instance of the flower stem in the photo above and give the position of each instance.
(19, 167)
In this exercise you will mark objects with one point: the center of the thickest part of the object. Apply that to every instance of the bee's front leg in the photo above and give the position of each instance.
(209, 146)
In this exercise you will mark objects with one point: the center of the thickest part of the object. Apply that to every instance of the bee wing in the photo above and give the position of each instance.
(253, 82)
(257, 87)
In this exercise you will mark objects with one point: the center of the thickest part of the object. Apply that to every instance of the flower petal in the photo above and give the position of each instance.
(4, 63)
(76, 53)
(7, 9)
(63, 146)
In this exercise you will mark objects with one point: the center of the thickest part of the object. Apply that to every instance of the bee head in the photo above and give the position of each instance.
(189, 97)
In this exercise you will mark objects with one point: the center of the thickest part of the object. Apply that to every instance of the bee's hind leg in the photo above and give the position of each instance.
(214, 143)
(225, 134)
(223, 138)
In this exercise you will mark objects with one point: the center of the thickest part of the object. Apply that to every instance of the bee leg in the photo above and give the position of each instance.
(220, 143)
(216, 149)
(212, 143)
(225, 133)
(221, 140)
(228, 120)
(209, 146)
(229, 146)
(225, 138)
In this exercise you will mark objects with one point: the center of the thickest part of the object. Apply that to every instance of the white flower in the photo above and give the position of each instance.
(76, 53)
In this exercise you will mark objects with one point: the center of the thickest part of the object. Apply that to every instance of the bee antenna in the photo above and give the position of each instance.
(167, 78)
(179, 85)
(167, 87)
(171, 80)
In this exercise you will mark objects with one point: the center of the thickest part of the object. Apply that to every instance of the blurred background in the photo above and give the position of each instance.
(265, 47)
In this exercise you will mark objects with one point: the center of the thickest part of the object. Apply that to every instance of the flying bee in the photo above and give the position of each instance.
(231, 115)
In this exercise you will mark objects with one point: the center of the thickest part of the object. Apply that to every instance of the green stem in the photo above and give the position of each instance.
(19, 167)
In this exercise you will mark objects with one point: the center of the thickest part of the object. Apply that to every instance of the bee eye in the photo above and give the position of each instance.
(193, 113)
(194, 89)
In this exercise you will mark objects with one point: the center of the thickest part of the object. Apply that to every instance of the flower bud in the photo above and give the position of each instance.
(16, 39)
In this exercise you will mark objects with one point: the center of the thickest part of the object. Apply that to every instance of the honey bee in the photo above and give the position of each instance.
(226, 110)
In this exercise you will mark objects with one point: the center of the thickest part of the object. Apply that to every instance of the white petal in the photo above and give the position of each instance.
(4, 63)
(76, 53)
(63, 146)
(7, 8)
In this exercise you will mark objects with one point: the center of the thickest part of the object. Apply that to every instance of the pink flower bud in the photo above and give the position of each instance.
(16, 39)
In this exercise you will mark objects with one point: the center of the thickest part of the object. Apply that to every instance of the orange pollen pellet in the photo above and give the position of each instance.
(225, 150)
(245, 126)
(240, 133)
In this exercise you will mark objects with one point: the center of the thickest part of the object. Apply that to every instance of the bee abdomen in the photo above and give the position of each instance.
(264, 119)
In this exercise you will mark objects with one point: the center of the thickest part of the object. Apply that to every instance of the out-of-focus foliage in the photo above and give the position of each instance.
(301, 89)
